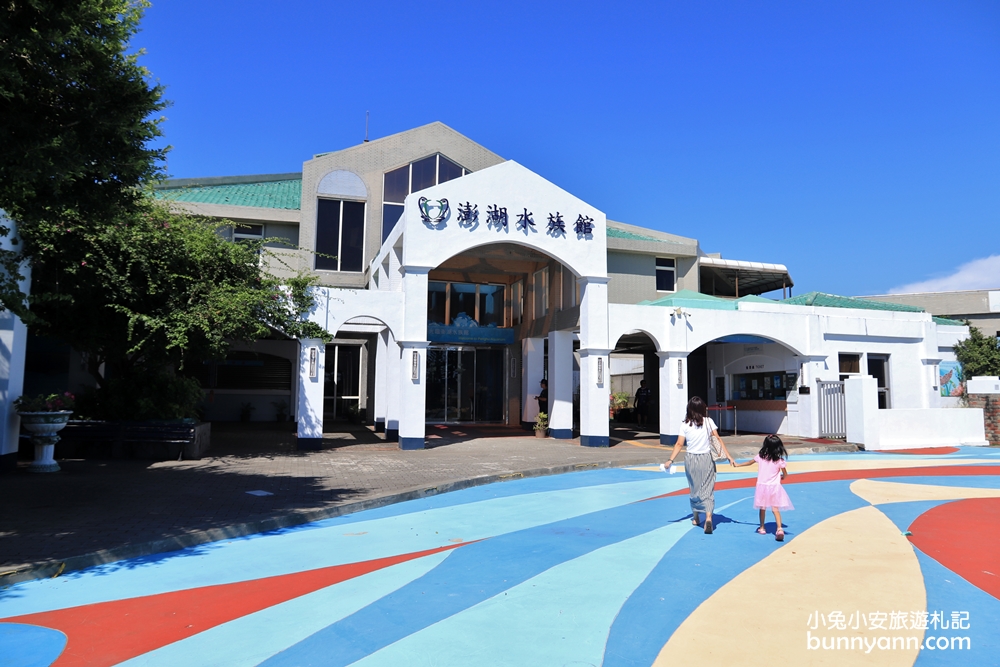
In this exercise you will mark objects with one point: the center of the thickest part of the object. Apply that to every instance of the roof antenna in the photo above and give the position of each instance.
(366, 127)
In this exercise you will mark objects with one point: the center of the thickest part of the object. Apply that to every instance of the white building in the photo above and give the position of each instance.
(454, 281)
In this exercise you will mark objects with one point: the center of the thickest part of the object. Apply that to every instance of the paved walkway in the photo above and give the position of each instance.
(99, 511)
(888, 560)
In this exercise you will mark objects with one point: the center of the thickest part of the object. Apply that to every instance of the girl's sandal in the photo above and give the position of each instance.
(761, 531)
(780, 535)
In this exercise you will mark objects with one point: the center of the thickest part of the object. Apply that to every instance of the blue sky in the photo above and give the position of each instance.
(856, 142)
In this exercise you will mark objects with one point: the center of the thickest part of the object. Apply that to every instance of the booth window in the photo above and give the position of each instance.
(398, 183)
(666, 273)
(773, 385)
(340, 235)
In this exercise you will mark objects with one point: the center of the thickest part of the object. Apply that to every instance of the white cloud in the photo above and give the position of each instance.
(981, 273)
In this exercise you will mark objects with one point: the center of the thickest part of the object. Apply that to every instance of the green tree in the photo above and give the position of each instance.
(78, 115)
(978, 354)
(152, 291)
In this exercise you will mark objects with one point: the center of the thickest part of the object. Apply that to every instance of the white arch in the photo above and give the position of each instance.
(342, 183)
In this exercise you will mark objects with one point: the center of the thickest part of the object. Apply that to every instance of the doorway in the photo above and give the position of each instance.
(465, 384)
(878, 368)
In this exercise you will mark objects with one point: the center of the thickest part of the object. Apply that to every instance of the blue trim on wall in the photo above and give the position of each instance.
(309, 444)
(595, 441)
(392, 435)
(411, 443)
(561, 433)
(668, 439)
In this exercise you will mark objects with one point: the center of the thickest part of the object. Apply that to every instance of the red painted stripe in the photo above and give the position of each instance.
(928, 450)
(962, 535)
(107, 633)
(833, 475)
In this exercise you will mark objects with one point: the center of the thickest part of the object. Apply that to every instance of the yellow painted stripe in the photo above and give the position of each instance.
(880, 493)
(853, 562)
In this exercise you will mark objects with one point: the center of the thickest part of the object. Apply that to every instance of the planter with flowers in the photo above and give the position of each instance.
(43, 417)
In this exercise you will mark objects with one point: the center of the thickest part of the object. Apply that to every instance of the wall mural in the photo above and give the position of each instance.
(950, 378)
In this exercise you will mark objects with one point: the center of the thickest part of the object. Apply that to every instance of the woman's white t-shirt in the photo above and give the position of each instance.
(698, 438)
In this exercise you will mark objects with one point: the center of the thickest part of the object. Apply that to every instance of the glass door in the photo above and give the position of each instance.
(464, 384)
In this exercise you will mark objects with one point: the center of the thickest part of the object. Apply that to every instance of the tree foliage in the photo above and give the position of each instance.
(153, 290)
(77, 119)
(978, 354)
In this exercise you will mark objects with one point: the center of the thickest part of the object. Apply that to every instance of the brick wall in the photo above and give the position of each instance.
(990, 403)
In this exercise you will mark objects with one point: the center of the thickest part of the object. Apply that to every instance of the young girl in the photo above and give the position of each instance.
(771, 459)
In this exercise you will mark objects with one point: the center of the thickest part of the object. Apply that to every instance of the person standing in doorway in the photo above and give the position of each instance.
(643, 398)
(697, 431)
(543, 397)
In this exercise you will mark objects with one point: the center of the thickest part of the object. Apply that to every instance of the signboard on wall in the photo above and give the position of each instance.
(950, 378)
(440, 333)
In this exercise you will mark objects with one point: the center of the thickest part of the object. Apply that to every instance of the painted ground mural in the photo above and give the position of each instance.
(889, 559)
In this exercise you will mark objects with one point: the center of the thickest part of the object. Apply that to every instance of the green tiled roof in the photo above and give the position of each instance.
(615, 233)
(689, 299)
(834, 301)
(284, 194)
(948, 322)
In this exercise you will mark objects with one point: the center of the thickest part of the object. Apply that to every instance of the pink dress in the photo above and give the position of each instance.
(769, 492)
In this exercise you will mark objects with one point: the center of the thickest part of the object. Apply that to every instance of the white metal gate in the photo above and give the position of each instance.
(832, 410)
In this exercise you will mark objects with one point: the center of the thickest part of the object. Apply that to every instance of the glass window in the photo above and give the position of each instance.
(516, 302)
(447, 170)
(849, 363)
(397, 185)
(540, 292)
(424, 173)
(352, 236)
(437, 296)
(327, 234)
(491, 302)
(568, 288)
(248, 232)
(665, 274)
(391, 213)
(340, 235)
(463, 301)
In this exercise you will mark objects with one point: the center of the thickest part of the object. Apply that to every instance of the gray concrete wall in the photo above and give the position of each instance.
(370, 161)
(633, 276)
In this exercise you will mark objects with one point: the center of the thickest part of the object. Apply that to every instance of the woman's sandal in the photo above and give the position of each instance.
(708, 527)
(761, 531)
(780, 535)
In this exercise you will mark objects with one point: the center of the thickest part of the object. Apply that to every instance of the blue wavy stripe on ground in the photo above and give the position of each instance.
(698, 565)
(505, 489)
(274, 554)
(948, 592)
(473, 574)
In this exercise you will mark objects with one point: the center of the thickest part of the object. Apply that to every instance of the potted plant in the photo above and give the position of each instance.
(280, 407)
(43, 416)
(542, 425)
(619, 401)
(246, 410)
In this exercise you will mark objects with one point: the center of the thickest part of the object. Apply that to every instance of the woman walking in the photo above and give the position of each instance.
(697, 431)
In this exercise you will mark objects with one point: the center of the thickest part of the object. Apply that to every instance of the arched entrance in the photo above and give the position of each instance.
(633, 365)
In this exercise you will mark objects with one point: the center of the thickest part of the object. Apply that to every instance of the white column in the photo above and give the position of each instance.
(381, 393)
(13, 337)
(312, 375)
(561, 384)
(595, 375)
(413, 366)
(861, 403)
(673, 394)
(532, 373)
(393, 383)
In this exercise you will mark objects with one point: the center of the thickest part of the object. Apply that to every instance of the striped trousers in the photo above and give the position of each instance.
(700, 471)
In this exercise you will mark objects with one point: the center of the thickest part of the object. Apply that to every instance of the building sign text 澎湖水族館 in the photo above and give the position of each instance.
(435, 213)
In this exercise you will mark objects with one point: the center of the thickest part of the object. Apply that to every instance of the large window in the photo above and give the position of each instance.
(340, 235)
(540, 292)
(448, 303)
(409, 178)
(569, 288)
(666, 273)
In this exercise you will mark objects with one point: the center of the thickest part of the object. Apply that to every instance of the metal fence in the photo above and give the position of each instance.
(832, 410)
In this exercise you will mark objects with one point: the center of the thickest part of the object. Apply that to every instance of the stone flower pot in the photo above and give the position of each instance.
(43, 427)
